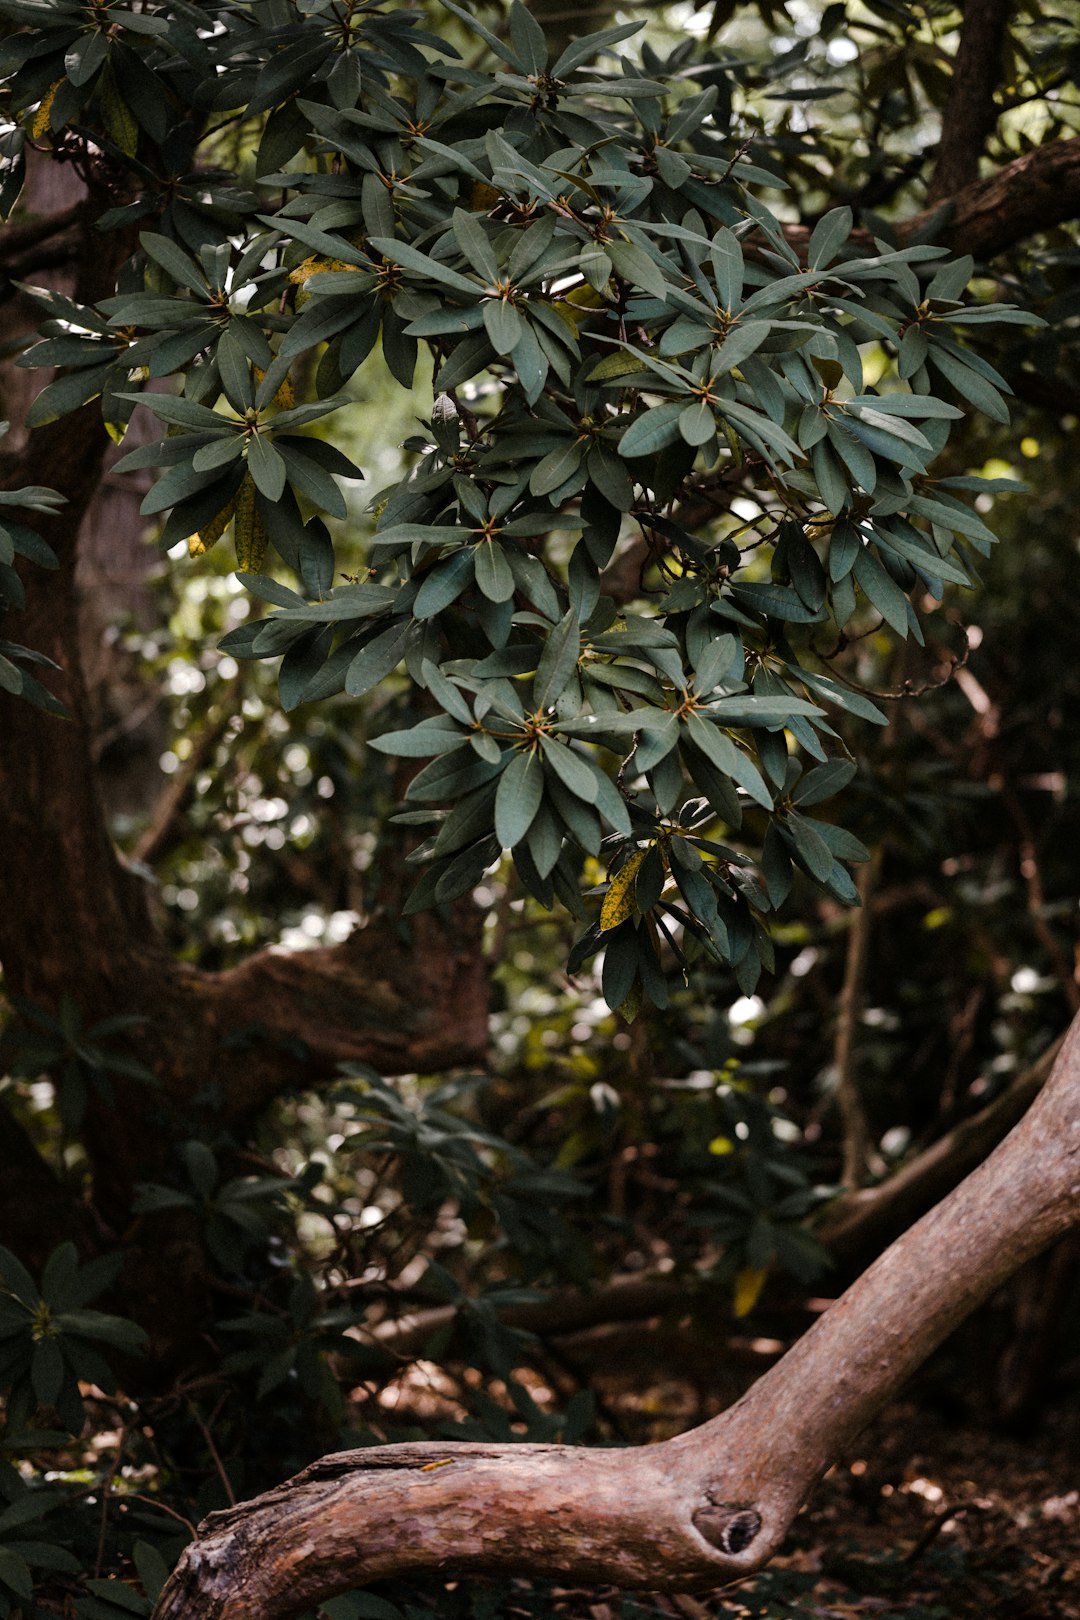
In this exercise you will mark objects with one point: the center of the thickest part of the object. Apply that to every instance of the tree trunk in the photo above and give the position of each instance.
(699, 1510)
(77, 921)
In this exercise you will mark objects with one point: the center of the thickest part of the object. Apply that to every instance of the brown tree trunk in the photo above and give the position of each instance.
(700, 1510)
(76, 920)
(970, 113)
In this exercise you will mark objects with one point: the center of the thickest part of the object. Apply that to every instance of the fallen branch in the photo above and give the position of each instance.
(698, 1510)
(624, 1299)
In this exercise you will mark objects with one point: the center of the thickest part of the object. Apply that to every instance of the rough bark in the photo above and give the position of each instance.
(969, 113)
(699, 1510)
(1038, 190)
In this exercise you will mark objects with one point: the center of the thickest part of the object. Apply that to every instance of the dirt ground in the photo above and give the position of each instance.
(932, 1519)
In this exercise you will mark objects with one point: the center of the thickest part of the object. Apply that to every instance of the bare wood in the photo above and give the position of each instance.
(698, 1510)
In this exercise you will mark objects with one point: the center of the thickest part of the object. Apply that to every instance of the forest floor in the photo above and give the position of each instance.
(934, 1519)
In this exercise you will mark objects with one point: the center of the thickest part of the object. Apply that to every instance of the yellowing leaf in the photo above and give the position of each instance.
(249, 531)
(286, 394)
(619, 902)
(482, 197)
(316, 266)
(632, 1005)
(616, 365)
(211, 532)
(40, 124)
(748, 1285)
(120, 121)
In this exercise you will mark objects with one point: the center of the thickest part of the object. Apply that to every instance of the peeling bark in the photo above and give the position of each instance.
(699, 1510)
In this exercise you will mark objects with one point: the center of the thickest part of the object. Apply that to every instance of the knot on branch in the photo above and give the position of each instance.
(727, 1525)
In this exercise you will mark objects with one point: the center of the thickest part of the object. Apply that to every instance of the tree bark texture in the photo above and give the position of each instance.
(969, 113)
(699, 1510)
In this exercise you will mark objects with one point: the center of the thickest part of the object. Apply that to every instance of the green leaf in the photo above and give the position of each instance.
(493, 577)
(823, 782)
(828, 237)
(697, 425)
(475, 244)
(748, 710)
(377, 658)
(445, 583)
(410, 259)
(558, 661)
(521, 788)
(14, 1275)
(573, 771)
(15, 1574)
(634, 265)
(743, 341)
(653, 430)
(47, 1371)
(504, 325)
(882, 591)
(174, 261)
(620, 964)
(811, 850)
(556, 468)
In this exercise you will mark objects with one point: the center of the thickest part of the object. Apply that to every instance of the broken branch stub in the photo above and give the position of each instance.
(698, 1510)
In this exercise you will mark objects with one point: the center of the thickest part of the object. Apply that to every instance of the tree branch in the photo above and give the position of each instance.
(699, 1510)
(623, 1299)
(969, 113)
(858, 1224)
(1033, 193)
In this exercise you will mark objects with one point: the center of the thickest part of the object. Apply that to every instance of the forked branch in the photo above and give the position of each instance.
(699, 1510)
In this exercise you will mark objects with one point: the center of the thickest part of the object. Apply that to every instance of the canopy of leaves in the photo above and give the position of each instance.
(703, 433)
(623, 342)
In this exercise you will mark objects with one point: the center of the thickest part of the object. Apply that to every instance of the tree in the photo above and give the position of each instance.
(676, 442)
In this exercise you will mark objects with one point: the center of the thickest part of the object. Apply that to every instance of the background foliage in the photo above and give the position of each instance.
(668, 520)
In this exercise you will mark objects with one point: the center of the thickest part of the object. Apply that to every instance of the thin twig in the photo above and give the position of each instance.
(858, 1154)
(106, 1492)
(152, 1501)
(214, 1453)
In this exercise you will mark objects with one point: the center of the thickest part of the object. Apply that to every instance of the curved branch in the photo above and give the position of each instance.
(1033, 193)
(396, 1004)
(702, 1509)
